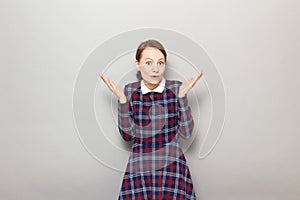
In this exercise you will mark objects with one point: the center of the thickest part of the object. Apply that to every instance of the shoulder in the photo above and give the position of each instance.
(173, 85)
(131, 87)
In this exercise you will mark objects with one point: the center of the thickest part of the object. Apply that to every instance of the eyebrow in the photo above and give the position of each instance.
(151, 59)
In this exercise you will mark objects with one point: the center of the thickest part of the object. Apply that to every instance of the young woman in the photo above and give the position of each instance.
(153, 112)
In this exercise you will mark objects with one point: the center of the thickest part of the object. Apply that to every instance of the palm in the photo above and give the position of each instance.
(117, 90)
(188, 85)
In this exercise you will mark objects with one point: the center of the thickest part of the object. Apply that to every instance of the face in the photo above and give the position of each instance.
(152, 66)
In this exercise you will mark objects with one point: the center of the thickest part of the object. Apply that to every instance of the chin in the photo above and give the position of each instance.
(154, 82)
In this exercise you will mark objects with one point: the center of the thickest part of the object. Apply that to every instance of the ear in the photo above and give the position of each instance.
(137, 65)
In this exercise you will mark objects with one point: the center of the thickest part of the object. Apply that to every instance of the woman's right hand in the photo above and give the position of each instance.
(117, 90)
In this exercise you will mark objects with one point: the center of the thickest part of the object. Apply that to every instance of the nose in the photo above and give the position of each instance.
(155, 68)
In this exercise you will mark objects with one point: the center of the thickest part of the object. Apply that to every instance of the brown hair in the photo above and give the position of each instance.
(143, 46)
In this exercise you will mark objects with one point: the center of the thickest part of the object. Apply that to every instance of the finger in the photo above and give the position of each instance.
(106, 80)
(109, 81)
(201, 73)
(103, 78)
(196, 79)
(110, 84)
(198, 76)
(101, 75)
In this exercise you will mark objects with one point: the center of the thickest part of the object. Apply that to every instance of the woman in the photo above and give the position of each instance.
(153, 112)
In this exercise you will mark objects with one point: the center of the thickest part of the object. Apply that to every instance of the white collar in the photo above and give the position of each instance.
(159, 88)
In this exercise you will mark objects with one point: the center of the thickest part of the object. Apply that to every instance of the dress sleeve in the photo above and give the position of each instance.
(126, 124)
(185, 118)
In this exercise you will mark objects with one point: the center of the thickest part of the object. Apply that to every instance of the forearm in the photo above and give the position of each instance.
(185, 119)
(125, 122)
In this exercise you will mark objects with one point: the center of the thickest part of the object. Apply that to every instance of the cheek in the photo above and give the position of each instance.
(162, 71)
(145, 72)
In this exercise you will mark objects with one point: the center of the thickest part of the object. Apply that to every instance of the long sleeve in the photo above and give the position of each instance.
(126, 124)
(185, 119)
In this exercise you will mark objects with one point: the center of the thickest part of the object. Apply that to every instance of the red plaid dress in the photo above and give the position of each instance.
(156, 168)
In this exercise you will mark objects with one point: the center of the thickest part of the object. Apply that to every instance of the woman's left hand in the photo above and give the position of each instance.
(189, 84)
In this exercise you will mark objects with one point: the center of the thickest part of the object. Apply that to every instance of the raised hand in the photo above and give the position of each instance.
(117, 90)
(189, 84)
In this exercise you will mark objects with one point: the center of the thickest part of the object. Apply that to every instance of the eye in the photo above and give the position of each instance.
(148, 63)
(161, 63)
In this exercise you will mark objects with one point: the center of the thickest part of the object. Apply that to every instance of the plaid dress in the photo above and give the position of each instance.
(157, 168)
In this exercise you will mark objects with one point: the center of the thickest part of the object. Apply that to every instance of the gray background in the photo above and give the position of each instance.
(254, 44)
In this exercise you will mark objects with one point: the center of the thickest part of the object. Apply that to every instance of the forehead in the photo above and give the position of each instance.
(152, 53)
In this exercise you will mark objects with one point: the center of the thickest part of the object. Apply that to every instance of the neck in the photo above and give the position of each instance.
(151, 86)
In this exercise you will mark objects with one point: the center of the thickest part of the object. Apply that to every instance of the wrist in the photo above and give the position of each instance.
(180, 95)
(122, 99)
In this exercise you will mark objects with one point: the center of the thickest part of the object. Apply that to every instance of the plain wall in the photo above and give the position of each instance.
(254, 44)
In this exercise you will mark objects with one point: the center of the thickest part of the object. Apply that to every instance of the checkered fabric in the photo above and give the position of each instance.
(157, 168)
